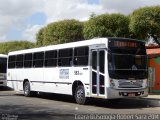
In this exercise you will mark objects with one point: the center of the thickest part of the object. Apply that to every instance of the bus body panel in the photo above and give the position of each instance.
(61, 79)
(51, 82)
(16, 83)
(82, 74)
(58, 78)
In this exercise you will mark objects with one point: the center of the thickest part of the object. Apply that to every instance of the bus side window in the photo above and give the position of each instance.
(38, 59)
(28, 58)
(11, 61)
(19, 61)
(51, 58)
(65, 57)
(81, 56)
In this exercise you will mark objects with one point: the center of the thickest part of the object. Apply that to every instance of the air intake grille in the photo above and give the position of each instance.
(130, 84)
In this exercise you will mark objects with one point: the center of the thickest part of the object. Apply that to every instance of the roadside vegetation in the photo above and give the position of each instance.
(6, 47)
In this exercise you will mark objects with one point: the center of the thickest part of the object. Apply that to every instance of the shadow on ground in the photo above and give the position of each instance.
(23, 112)
(113, 104)
(5, 88)
(31, 112)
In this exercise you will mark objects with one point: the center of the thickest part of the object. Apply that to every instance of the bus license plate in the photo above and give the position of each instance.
(131, 94)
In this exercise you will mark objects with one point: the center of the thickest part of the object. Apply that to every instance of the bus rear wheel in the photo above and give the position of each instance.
(27, 90)
(80, 95)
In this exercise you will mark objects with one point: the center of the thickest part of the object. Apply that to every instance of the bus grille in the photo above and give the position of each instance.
(136, 84)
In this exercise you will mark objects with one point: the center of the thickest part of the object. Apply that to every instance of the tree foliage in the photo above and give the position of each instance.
(40, 37)
(106, 25)
(6, 47)
(63, 31)
(145, 20)
(141, 22)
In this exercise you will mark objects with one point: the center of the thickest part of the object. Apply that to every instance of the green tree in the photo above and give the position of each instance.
(120, 25)
(92, 15)
(6, 47)
(144, 21)
(63, 32)
(106, 25)
(40, 37)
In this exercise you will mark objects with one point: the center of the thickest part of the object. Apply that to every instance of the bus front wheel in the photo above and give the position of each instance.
(80, 95)
(27, 90)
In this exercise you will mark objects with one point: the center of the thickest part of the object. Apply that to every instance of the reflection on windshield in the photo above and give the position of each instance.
(127, 66)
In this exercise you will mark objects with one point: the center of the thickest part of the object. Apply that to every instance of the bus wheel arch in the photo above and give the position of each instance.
(78, 92)
(26, 88)
(25, 80)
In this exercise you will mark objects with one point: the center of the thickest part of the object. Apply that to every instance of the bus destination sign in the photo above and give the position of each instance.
(125, 44)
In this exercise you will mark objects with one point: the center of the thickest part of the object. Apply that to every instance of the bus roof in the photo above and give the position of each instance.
(3, 56)
(63, 46)
(71, 44)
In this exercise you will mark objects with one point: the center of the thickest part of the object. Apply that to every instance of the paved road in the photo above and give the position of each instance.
(51, 106)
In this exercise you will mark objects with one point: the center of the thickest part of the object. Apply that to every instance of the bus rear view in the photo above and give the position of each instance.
(127, 68)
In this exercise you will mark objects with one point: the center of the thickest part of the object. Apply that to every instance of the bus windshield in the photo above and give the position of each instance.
(126, 66)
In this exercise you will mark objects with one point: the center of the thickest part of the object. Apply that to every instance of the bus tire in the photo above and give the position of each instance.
(80, 95)
(27, 90)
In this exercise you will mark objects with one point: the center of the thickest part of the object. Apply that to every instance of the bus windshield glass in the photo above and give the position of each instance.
(127, 66)
(127, 59)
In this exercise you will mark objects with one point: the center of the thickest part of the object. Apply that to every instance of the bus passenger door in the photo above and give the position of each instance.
(98, 73)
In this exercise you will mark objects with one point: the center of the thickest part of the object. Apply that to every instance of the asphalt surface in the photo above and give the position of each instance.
(14, 106)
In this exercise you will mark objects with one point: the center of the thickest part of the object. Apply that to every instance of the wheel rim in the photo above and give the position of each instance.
(26, 89)
(80, 95)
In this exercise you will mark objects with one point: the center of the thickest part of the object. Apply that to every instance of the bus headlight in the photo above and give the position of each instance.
(112, 84)
(145, 83)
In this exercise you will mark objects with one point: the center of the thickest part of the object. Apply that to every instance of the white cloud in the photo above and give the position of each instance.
(68, 9)
(3, 38)
(30, 33)
(13, 13)
(126, 6)
(63, 9)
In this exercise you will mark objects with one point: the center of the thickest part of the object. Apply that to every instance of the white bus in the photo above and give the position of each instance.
(3, 70)
(108, 68)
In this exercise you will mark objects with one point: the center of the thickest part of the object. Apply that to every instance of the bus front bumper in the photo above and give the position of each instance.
(126, 93)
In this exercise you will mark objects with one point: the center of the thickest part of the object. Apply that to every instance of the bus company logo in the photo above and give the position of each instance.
(64, 73)
(131, 82)
(134, 67)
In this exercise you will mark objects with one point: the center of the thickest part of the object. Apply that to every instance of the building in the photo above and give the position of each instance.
(153, 52)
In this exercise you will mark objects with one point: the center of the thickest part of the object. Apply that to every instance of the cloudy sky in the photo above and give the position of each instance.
(21, 19)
